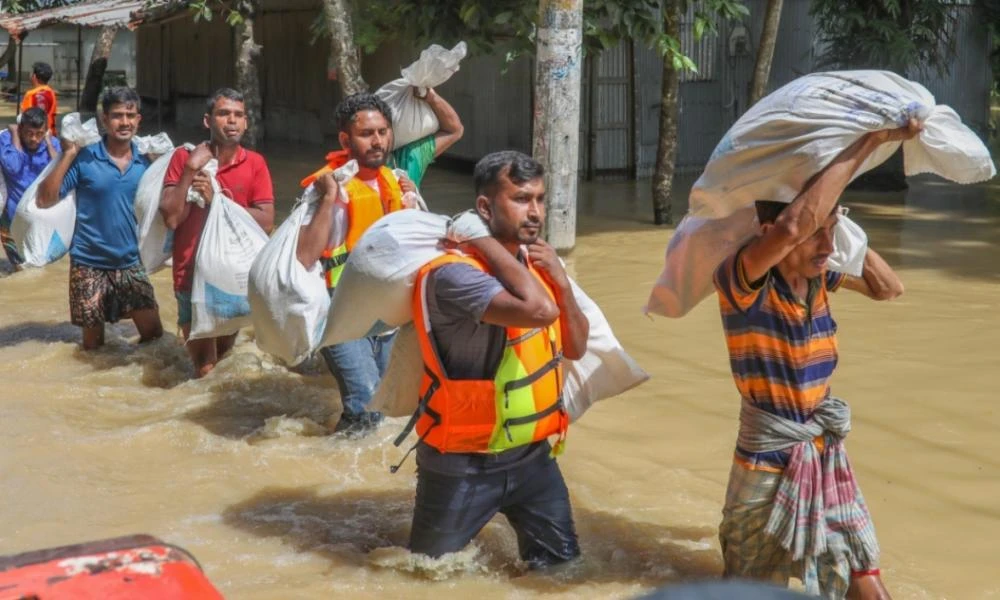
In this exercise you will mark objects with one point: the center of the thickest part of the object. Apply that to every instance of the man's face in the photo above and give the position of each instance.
(227, 122)
(31, 137)
(515, 212)
(368, 139)
(809, 258)
(121, 121)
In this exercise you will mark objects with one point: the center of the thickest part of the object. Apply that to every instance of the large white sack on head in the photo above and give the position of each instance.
(697, 247)
(785, 139)
(605, 371)
(156, 241)
(793, 133)
(43, 235)
(288, 302)
(230, 241)
(374, 290)
(412, 118)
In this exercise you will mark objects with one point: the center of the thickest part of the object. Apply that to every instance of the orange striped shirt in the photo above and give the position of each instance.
(782, 350)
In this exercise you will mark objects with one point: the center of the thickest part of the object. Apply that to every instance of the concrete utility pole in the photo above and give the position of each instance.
(557, 113)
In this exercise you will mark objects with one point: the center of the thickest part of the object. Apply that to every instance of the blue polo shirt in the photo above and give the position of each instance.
(20, 168)
(106, 235)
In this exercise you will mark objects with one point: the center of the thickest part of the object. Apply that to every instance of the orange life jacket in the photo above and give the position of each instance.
(365, 206)
(44, 97)
(520, 405)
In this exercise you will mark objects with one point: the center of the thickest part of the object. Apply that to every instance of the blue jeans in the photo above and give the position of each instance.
(358, 366)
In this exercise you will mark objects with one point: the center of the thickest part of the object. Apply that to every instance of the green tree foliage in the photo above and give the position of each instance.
(232, 11)
(905, 36)
(508, 26)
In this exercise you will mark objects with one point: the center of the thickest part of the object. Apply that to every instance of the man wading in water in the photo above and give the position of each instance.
(365, 123)
(107, 281)
(494, 324)
(793, 507)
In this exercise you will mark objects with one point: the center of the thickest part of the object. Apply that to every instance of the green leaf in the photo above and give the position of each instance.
(468, 12)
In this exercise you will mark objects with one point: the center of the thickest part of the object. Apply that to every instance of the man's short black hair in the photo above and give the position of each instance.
(227, 93)
(119, 95)
(42, 70)
(355, 103)
(518, 166)
(35, 118)
(768, 210)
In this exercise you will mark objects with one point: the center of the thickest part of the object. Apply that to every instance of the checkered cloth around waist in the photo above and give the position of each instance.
(818, 493)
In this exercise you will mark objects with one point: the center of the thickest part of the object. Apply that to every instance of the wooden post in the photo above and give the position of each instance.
(20, 57)
(159, 78)
(556, 123)
(79, 63)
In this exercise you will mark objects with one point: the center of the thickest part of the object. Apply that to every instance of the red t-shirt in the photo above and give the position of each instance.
(246, 181)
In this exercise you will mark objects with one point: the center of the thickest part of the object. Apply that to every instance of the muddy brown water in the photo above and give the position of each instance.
(238, 468)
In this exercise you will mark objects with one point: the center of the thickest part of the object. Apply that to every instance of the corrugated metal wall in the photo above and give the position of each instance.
(495, 107)
(621, 95)
(702, 100)
(610, 122)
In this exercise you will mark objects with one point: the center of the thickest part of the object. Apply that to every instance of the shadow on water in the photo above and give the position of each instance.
(164, 361)
(14, 334)
(346, 526)
(241, 405)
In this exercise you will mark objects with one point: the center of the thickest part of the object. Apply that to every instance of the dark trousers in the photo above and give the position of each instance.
(451, 509)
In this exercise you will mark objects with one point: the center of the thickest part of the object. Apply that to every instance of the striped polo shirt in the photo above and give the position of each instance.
(782, 351)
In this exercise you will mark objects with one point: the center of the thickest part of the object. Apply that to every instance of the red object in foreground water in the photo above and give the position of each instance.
(138, 566)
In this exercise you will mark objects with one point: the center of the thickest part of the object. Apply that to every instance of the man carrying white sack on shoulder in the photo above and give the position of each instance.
(243, 177)
(793, 507)
(107, 281)
(495, 318)
(365, 136)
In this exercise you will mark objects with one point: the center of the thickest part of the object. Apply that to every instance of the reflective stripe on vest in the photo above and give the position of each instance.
(521, 405)
(363, 209)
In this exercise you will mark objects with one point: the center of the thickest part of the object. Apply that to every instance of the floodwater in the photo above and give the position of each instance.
(238, 467)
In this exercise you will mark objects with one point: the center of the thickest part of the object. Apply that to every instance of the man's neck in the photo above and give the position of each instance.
(364, 173)
(224, 153)
(513, 247)
(118, 148)
(797, 283)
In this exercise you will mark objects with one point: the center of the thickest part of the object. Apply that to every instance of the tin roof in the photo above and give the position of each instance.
(97, 13)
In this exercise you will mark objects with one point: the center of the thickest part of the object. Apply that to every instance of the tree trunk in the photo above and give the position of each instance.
(556, 125)
(98, 65)
(247, 80)
(10, 54)
(666, 150)
(344, 64)
(765, 51)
